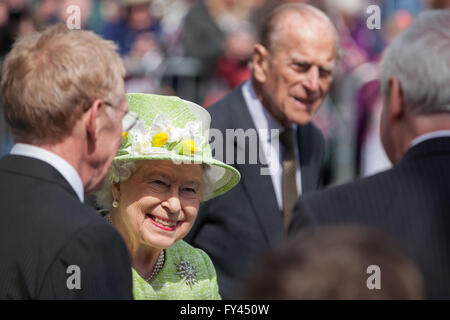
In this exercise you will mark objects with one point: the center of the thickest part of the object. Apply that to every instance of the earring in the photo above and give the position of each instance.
(115, 204)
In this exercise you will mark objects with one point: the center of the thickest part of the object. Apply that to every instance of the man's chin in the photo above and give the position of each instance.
(301, 119)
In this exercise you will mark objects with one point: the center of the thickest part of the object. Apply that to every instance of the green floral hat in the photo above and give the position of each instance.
(170, 128)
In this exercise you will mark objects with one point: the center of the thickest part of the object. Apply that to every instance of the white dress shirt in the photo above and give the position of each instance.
(268, 130)
(430, 135)
(61, 165)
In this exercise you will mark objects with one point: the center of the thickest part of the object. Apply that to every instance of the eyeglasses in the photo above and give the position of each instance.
(129, 119)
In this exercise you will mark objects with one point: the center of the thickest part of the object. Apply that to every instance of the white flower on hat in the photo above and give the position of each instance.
(151, 140)
(192, 139)
(141, 143)
(163, 137)
(163, 131)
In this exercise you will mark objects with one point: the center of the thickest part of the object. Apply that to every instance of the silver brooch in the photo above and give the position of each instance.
(187, 271)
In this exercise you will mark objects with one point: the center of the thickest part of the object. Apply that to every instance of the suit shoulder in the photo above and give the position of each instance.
(351, 189)
(99, 252)
(76, 213)
(221, 113)
(354, 201)
(94, 242)
(98, 232)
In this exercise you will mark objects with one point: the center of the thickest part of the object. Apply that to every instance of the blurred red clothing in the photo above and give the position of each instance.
(232, 71)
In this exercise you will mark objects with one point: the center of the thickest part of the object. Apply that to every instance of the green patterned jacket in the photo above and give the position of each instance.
(181, 259)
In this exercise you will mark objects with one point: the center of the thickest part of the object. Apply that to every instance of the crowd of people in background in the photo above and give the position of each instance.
(200, 50)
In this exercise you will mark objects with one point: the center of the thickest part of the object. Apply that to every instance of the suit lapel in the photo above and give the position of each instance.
(258, 187)
(27, 166)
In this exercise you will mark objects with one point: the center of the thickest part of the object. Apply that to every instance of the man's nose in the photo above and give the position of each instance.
(311, 80)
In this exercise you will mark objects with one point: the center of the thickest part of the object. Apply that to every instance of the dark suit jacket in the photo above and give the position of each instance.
(44, 229)
(409, 203)
(246, 221)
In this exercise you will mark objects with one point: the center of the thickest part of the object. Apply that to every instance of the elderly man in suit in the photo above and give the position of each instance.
(410, 202)
(64, 100)
(292, 69)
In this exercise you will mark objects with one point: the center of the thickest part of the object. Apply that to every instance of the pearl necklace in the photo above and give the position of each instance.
(158, 266)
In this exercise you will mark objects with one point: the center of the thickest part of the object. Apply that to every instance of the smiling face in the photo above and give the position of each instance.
(295, 74)
(158, 204)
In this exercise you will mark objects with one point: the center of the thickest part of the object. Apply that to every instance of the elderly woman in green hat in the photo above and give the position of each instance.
(161, 173)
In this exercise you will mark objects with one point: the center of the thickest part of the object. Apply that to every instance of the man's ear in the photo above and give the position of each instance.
(395, 99)
(260, 62)
(90, 119)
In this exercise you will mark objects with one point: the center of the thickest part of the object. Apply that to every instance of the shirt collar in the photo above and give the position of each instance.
(61, 165)
(430, 135)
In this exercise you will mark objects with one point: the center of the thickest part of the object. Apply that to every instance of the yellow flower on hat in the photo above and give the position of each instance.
(188, 147)
(159, 139)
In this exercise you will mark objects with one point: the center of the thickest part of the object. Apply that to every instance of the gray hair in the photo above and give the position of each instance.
(420, 59)
(123, 170)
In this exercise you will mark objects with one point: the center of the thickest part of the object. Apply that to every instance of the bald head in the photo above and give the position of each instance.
(311, 19)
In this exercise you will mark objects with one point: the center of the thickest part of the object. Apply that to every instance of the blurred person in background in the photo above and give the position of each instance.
(172, 14)
(292, 69)
(16, 21)
(411, 201)
(332, 263)
(46, 12)
(50, 12)
(140, 39)
(337, 117)
(438, 4)
(204, 35)
(370, 155)
(232, 67)
(354, 148)
(64, 101)
(136, 21)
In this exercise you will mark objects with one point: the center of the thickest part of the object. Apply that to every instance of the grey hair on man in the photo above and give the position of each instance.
(420, 59)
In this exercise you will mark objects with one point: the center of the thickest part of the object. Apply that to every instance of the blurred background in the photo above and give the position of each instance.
(200, 49)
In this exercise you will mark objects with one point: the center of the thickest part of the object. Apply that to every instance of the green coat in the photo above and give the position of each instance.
(168, 285)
